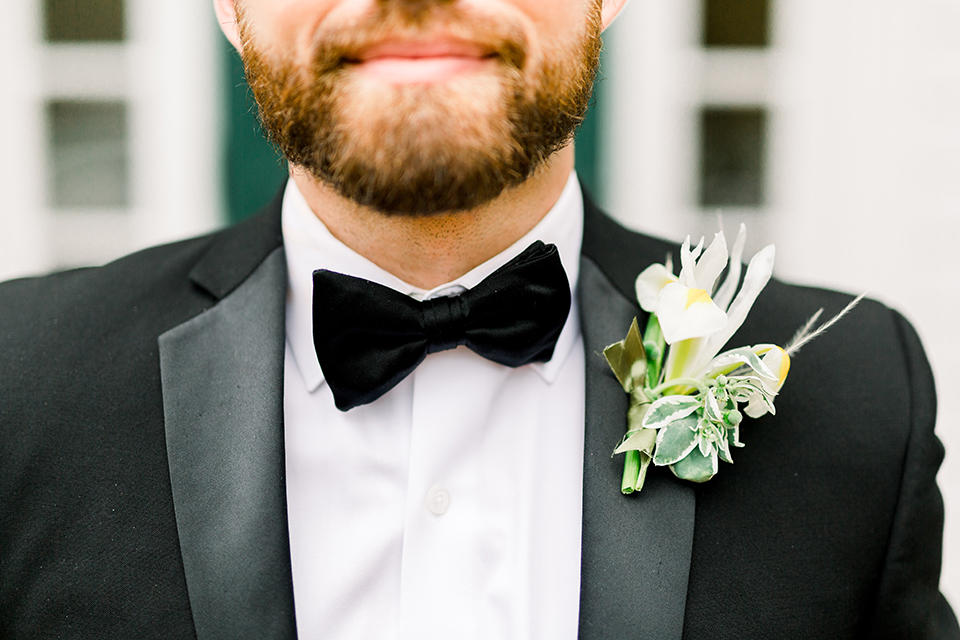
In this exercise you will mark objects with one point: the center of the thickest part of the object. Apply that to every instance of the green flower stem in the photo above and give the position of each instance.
(631, 472)
(677, 382)
(654, 344)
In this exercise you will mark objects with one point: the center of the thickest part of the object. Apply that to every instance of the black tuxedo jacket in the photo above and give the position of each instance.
(142, 480)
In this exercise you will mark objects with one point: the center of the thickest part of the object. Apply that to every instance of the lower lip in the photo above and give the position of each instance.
(427, 70)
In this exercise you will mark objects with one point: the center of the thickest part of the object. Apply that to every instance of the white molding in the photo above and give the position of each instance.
(736, 77)
(84, 237)
(84, 71)
(23, 248)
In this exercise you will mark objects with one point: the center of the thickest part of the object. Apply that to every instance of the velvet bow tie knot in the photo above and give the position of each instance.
(369, 337)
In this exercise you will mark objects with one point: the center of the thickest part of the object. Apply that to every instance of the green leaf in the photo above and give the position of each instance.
(641, 440)
(733, 359)
(711, 408)
(757, 391)
(742, 388)
(670, 409)
(696, 467)
(733, 436)
(628, 359)
(724, 448)
(706, 447)
(644, 464)
(675, 441)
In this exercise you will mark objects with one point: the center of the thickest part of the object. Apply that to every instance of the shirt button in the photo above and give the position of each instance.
(438, 500)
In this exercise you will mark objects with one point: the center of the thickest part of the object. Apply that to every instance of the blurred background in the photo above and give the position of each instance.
(830, 127)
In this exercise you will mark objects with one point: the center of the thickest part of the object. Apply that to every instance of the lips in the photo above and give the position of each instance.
(421, 61)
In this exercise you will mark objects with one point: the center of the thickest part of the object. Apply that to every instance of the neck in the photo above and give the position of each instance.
(430, 250)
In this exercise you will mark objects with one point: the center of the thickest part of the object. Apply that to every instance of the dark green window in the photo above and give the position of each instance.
(83, 20)
(87, 154)
(736, 23)
(732, 157)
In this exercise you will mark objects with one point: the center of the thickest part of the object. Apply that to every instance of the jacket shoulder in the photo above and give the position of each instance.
(160, 283)
(144, 281)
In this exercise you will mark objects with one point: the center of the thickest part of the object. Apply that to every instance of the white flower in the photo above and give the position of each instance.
(687, 416)
(686, 313)
(683, 304)
(694, 323)
(651, 282)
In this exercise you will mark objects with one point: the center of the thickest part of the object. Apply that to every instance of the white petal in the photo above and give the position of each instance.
(687, 313)
(695, 254)
(778, 362)
(649, 285)
(711, 263)
(688, 263)
(756, 407)
(758, 274)
(730, 283)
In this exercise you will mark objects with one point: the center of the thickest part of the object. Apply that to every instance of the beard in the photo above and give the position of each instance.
(423, 149)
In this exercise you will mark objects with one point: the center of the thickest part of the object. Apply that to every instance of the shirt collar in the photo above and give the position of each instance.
(309, 246)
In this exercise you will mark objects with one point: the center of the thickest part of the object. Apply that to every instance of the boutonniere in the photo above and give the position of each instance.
(688, 400)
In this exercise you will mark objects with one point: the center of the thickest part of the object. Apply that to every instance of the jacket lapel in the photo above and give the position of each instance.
(636, 549)
(222, 377)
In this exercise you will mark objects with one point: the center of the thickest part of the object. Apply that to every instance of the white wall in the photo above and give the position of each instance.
(22, 228)
(863, 160)
(167, 72)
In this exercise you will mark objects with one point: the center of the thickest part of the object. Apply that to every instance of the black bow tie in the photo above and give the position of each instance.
(369, 337)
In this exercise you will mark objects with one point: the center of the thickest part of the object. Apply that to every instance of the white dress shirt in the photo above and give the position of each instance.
(449, 508)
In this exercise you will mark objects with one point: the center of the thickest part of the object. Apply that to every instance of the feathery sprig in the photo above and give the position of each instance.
(805, 335)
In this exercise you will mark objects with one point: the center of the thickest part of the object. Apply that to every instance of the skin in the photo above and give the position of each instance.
(425, 251)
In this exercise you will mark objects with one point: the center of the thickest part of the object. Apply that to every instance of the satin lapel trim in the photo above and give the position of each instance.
(222, 376)
(636, 549)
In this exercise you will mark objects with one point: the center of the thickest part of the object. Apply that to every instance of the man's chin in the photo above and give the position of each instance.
(417, 191)
(420, 149)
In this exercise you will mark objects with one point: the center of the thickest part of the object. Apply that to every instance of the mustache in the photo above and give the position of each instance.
(418, 21)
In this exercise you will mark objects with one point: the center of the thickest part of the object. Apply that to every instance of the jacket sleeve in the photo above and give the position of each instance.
(909, 604)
